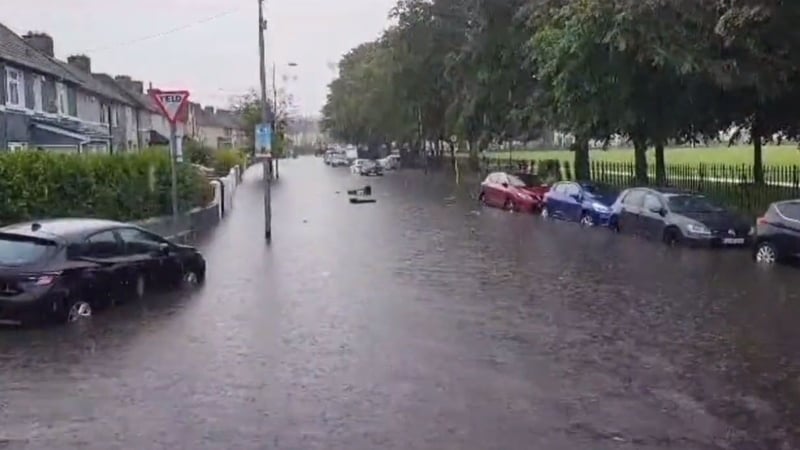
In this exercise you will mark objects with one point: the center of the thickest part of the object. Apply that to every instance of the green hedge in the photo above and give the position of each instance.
(226, 159)
(126, 187)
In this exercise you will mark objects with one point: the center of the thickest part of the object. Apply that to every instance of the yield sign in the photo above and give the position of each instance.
(171, 103)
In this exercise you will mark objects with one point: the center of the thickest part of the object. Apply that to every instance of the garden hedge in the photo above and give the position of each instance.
(36, 185)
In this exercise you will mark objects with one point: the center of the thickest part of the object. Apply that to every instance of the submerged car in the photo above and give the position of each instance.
(369, 168)
(63, 269)
(676, 216)
(510, 192)
(778, 233)
(586, 203)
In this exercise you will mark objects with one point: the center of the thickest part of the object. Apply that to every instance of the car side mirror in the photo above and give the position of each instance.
(164, 249)
(658, 210)
(505, 185)
(577, 197)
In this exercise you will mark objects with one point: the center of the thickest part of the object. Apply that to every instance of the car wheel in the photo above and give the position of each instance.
(75, 310)
(509, 205)
(766, 253)
(193, 278)
(587, 220)
(671, 237)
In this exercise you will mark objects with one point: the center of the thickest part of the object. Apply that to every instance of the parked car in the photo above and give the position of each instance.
(507, 191)
(355, 168)
(63, 269)
(676, 216)
(369, 168)
(391, 162)
(778, 233)
(586, 203)
(339, 160)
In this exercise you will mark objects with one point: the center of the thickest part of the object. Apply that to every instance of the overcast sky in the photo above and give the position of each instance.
(217, 56)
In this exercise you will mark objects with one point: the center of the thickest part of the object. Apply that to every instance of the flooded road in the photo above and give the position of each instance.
(420, 323)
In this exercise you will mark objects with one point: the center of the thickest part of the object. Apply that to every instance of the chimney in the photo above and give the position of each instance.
(137, 86)
(81, 62)
(124, 81)
(40, 41)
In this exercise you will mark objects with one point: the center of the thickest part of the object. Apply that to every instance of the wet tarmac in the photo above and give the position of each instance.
(418, 322)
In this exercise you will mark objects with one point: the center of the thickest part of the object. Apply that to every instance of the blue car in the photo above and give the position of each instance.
(585, 203)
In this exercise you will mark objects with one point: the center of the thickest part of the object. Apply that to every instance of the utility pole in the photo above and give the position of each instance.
(267, 162)
(275, 115)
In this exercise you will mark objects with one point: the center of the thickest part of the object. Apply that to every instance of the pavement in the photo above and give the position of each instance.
(420, 322)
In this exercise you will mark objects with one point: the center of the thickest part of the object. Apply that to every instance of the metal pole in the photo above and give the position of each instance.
(173, 148)
(262, 25)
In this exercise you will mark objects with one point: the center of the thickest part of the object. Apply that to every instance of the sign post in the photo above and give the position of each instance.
(173, 104)
(263, 135)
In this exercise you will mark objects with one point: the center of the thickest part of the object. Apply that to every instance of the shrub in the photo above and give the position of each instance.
(226, 159)
(198, 153)
(123, 187)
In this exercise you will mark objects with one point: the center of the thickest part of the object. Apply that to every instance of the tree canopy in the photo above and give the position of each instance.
(652, 71)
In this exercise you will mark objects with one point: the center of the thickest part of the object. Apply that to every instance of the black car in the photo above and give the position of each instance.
(676, 216)
(61, 269)
(369, 168)
(778, 233)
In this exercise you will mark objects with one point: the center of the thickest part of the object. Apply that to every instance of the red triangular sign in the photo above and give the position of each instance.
(171, 102)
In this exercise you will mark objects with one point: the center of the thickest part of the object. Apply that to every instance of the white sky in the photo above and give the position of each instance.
(215, 59)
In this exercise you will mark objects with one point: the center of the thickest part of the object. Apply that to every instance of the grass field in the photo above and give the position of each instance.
(786, 154)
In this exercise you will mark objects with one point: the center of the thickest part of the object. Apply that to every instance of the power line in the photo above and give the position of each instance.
(164, 33)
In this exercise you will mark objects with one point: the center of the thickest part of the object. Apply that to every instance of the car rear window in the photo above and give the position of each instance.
(16, 250)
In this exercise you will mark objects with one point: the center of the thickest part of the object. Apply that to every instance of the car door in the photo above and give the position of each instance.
(107, 281)
(790, 229)
(552, 199)
(628, 219)
(572, 202)
(153, 256)
(651, 222)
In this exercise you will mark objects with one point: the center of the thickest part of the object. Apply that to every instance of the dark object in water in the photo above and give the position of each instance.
(356, 200)
(366, 190)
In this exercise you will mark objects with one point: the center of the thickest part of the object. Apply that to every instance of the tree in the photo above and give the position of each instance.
(248, 106)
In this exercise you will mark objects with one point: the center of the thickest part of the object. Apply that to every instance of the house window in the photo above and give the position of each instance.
(15, 88)
(104, 109)
(17, 146)
(62, 101)
(115, 117)
(38, 100)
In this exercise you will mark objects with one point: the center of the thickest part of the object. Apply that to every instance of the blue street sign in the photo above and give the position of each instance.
(264, 138)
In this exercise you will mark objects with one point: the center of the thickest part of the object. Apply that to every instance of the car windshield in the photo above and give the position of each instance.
(513, 180)
(691, 203)
(20, 251)
(598, 190)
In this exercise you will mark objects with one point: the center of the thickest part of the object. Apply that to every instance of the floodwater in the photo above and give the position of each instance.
(420, 322)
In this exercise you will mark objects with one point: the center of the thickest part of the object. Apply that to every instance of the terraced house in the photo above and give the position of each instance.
(49, 104)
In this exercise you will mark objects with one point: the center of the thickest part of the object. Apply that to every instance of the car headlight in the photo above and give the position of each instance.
(601, 208)
(698, 229)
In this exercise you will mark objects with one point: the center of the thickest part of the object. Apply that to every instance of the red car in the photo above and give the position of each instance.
(510, 192)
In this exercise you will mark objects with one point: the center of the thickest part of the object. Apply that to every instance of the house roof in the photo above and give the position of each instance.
(93, 84)
(139, 99)
(219, 119)
(15, 50)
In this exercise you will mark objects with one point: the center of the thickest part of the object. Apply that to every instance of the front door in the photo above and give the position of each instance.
(151, 255)
(651, 222)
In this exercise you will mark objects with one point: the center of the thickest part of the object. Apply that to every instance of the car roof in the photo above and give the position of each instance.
(665, 190)
(67, 229)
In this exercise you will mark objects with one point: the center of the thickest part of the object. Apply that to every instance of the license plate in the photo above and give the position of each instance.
(733, 241)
